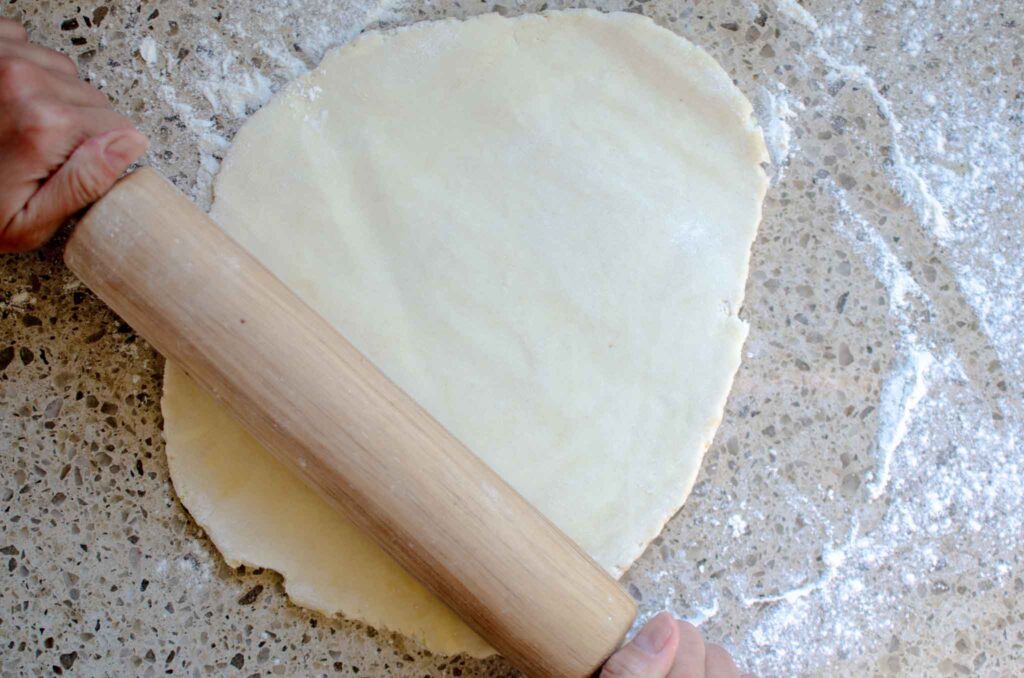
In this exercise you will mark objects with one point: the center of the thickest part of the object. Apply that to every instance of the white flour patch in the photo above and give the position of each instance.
(878, 255)
(148, 50)
(774, 113)
(210, 143)
(703, 614)
(904, 389)
(20, 299)
(832, 558)
(908, 180)
(797, 13)
(231, 88)
(738, 525)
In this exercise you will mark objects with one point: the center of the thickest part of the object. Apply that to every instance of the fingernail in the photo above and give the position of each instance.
(653, 637)
(122, 148)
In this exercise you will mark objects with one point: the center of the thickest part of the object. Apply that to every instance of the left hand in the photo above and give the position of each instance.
(62, 145)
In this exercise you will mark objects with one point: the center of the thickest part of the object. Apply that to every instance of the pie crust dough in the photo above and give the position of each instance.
(539, 228)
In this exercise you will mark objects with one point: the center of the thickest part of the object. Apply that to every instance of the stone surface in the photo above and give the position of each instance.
(860, 512)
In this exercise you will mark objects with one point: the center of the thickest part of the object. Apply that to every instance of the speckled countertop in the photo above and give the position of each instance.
(861, 511)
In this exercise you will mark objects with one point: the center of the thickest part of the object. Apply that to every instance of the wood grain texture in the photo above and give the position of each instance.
(333, 418)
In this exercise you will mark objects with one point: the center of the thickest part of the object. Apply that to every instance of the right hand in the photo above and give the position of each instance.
(62, 145)
(669, 648)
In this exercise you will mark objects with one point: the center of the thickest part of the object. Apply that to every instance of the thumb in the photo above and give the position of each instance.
(649, 654)
(82, 180)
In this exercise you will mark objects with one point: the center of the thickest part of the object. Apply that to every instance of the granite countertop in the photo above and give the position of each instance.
(861, 511)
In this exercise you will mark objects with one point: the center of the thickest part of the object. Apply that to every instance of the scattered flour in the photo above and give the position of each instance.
(906, 178)
(878, 255)
(832, 558)
(905, 388)
(20, 299)
(738, 525)
(796, 12)
(774, 111)
(944, 501)
(703, 613)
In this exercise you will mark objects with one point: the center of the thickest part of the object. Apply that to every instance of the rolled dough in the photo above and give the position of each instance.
(539, 228)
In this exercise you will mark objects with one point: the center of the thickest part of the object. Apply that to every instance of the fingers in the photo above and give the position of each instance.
(96, 121)
(689, 660)
(49, 131)
(25, 82)
(718, 663)
(649, 654)
(40, 56)
(76, 92)
(12, 30)
(90, 171)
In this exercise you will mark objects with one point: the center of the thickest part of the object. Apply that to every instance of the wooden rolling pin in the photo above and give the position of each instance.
(335, 420)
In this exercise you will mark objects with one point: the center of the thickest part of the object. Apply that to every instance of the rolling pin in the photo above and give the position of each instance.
(336, 421)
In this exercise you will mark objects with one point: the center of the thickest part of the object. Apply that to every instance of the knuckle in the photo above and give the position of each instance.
(718, 657)
(689, 633)
(14, 28)
(101, 99)
(40, 127)
(17, 78)
(43, 118)
(66, 62)
(31, 240)
(687, 627)
(21, 240)
(622, 665)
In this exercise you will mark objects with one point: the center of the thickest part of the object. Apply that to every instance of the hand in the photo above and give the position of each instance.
(667, 648)
(62, 145)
